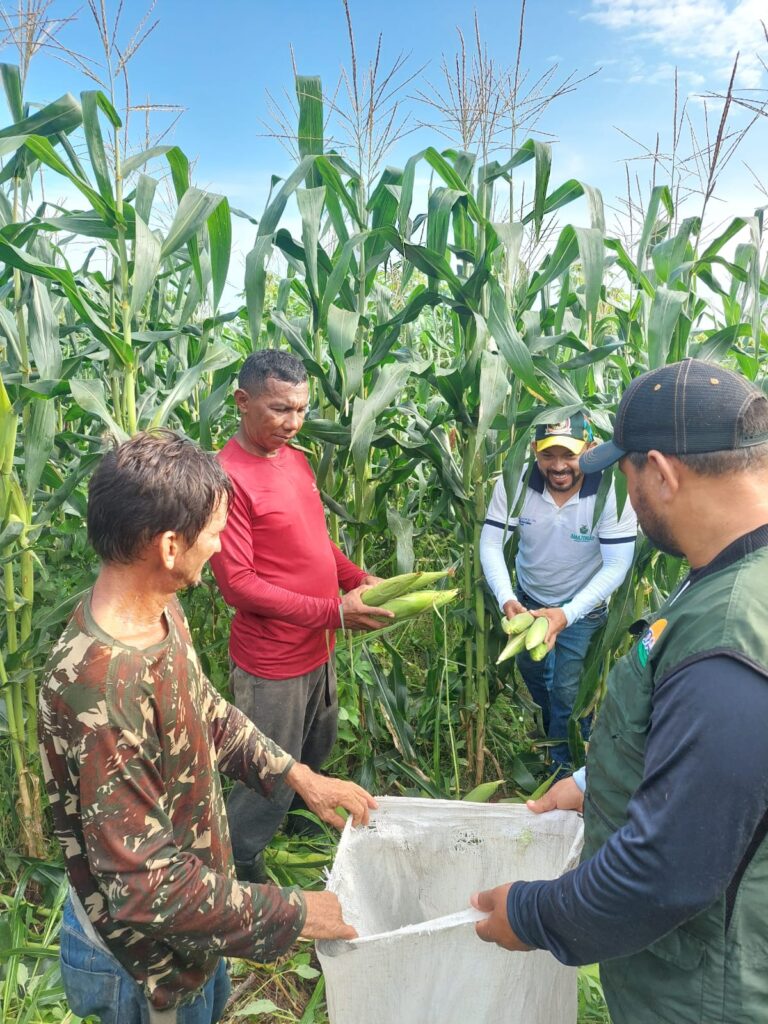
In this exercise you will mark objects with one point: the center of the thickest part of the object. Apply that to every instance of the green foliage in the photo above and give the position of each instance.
(30, 918)
(435, 336)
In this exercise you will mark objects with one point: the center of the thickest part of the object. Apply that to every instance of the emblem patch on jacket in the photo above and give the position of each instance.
(648, 639)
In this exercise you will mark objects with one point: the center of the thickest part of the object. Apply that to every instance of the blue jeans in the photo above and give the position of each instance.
(554, 682)
(95, 983)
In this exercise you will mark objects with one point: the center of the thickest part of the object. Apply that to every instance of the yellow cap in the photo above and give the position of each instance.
(573, 444)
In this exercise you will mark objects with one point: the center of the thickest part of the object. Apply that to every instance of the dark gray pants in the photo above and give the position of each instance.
(300, 715)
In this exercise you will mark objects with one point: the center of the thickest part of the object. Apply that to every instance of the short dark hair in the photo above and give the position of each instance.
(270, 362)
(156, 481)
(754, 422)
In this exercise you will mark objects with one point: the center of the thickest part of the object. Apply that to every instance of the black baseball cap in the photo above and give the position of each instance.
(683, 408)
(573, 434)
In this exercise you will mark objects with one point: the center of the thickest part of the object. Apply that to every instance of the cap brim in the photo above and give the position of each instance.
(595, 460)
(573, 444)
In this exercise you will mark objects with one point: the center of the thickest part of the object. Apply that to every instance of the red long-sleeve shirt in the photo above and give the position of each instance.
(277, 565)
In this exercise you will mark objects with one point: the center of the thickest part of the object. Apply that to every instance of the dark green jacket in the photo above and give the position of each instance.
(713, 969)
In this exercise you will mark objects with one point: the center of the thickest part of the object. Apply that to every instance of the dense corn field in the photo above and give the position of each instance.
(436, 329)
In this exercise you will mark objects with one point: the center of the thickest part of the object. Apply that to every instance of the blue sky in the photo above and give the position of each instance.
(218, 60)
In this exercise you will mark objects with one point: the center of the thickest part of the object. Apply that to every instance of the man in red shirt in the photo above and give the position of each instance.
(282, 573)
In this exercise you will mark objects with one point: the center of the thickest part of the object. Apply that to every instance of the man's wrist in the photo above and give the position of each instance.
(297, 776)
(571, 613)
(514, 894)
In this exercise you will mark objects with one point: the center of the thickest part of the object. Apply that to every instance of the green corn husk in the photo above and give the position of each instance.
(389, 589)
(539, 652)
(537, 633)
(443, 596)
(515, 644)
(517, 624)
(414, 604)
(426, 579)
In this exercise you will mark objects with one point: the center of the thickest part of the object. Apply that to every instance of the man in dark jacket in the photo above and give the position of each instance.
(671, 895)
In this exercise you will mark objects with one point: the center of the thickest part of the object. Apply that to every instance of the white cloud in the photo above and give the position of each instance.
(705, 33)
(664, 74)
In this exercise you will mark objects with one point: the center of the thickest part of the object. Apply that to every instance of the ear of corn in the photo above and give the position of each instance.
(517, 624)
(427, 579)
(413, 604)
(536, 633)
(443, 597)
(515, 645)
(539, 652)
(389, 589)
(405, 583)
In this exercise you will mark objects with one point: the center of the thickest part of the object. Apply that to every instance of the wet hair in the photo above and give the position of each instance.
(156, 481)
(737, 460)
(270, 362)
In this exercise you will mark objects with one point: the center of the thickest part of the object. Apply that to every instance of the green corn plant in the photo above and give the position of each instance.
(83, 352)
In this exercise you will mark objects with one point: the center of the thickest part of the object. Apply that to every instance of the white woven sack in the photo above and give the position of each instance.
(404, 882)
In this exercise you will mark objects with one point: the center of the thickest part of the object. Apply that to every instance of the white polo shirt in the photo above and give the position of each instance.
(559, 550)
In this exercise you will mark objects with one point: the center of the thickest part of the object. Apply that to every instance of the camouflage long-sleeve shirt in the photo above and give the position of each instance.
(132, 743)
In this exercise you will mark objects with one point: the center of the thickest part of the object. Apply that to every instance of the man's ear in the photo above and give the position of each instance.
(168, 548)
(666, 471)
(241, 399)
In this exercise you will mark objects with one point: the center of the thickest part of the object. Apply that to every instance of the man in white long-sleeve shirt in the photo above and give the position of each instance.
(566, 567)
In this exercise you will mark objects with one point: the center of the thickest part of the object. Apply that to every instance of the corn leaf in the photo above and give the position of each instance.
(309, 93)
(217, 355)
(39, 437)
(13, 93)
(401, 529)
(365, 411)
(80, 301)
(95, 142)
(256, 283)
(133, 163)
(310, 202)
(590, 241)
(193, 211)
(43, 331)
(666, 308)
(219, 226)
(276, 205)
(146, 262)
(89, 395)
(660, 196)
(543, 156)
(44, 151)
(505, 334)
(145, 194)
(335, 279)
(493, 389)
(63, 115)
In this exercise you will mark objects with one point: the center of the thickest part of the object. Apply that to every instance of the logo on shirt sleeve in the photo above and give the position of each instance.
(648, 639)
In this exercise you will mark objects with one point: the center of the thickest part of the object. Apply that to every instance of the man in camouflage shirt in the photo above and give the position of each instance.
(133, 737)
